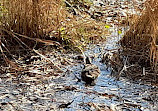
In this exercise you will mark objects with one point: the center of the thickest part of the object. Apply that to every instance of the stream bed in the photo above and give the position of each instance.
(63, 92)
(107, 94)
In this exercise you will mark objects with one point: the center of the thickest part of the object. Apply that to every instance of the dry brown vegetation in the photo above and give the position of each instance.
(139, 44)
(26, 23)
(32, 17)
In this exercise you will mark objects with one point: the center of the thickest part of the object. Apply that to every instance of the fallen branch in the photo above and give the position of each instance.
(48, 42)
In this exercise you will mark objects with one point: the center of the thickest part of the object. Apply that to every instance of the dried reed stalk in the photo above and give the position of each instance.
(142, 37)
(24, 21)
(32, 17)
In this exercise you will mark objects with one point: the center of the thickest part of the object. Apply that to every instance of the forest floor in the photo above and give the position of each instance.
(49, 81)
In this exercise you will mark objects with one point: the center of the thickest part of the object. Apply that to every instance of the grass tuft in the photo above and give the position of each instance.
(140, 43)
(25, 24)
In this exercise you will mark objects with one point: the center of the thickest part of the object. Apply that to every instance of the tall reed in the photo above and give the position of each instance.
(141, 41)
(32, 17)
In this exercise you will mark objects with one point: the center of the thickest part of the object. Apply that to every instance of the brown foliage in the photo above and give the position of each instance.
(32, 17)
(140, 42)
(24, 23)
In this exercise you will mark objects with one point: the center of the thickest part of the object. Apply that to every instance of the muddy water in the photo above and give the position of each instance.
(108, 93)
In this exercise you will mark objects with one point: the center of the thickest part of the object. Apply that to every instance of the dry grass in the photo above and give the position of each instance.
(23, 20)
(32, 17)
(140, 42)
(79, 32)
(25, 23)
(39, 18)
